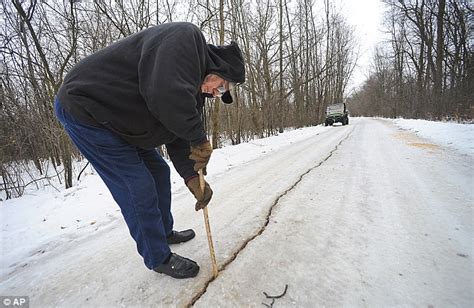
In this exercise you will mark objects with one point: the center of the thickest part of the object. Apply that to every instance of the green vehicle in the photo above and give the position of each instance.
(337, 113)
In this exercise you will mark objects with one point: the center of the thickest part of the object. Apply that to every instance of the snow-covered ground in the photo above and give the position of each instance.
(44, 218)
(361, 215)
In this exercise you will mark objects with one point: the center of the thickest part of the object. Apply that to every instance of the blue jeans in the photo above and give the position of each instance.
(138, 179)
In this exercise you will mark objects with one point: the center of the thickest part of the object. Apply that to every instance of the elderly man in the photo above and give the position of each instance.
(141, 92)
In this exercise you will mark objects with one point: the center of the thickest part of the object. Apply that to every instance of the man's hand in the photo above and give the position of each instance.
(202, 198)
(201, 154)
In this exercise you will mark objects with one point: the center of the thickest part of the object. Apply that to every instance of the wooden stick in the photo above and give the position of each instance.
(208, 229)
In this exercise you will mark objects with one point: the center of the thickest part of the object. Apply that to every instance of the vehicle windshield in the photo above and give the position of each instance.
(335, 108)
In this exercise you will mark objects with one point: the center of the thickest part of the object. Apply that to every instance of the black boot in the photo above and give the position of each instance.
(180, 236)
(178, 267)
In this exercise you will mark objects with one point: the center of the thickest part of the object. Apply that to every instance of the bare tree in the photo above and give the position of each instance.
(296, 63)
(430, 59)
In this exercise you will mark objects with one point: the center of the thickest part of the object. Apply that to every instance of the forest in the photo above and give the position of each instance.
(299, 58)
(425, 68)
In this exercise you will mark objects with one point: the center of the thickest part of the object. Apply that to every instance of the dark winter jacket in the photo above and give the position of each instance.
(147, 87)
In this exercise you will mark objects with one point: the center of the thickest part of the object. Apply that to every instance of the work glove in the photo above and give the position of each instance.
(201, 154)
(202, 198)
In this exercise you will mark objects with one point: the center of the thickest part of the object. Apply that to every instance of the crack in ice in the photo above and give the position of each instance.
(267, 221)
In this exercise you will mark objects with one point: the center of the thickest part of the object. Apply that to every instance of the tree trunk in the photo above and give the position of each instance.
(438, 85)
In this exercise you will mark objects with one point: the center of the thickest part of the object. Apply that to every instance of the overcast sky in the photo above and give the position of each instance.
(367, 18)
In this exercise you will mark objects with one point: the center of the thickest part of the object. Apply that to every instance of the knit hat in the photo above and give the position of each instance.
(226, 61)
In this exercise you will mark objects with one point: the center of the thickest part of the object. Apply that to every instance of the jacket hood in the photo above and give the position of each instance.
(226, 61)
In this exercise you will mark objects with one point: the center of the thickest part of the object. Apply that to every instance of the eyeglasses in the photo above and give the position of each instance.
(222, 89)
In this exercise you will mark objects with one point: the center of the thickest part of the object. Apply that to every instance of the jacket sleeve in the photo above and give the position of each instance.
(170, 71)
(179, 151)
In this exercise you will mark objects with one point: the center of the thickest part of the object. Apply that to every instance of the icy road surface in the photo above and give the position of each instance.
(364, 215)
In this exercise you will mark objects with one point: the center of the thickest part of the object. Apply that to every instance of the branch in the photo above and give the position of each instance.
(74, 42)
(103, 10)
(27, 20)
(277, 296)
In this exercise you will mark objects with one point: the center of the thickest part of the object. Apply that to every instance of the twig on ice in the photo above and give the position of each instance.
(273, 297)
(271, 304)
(277, 296)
